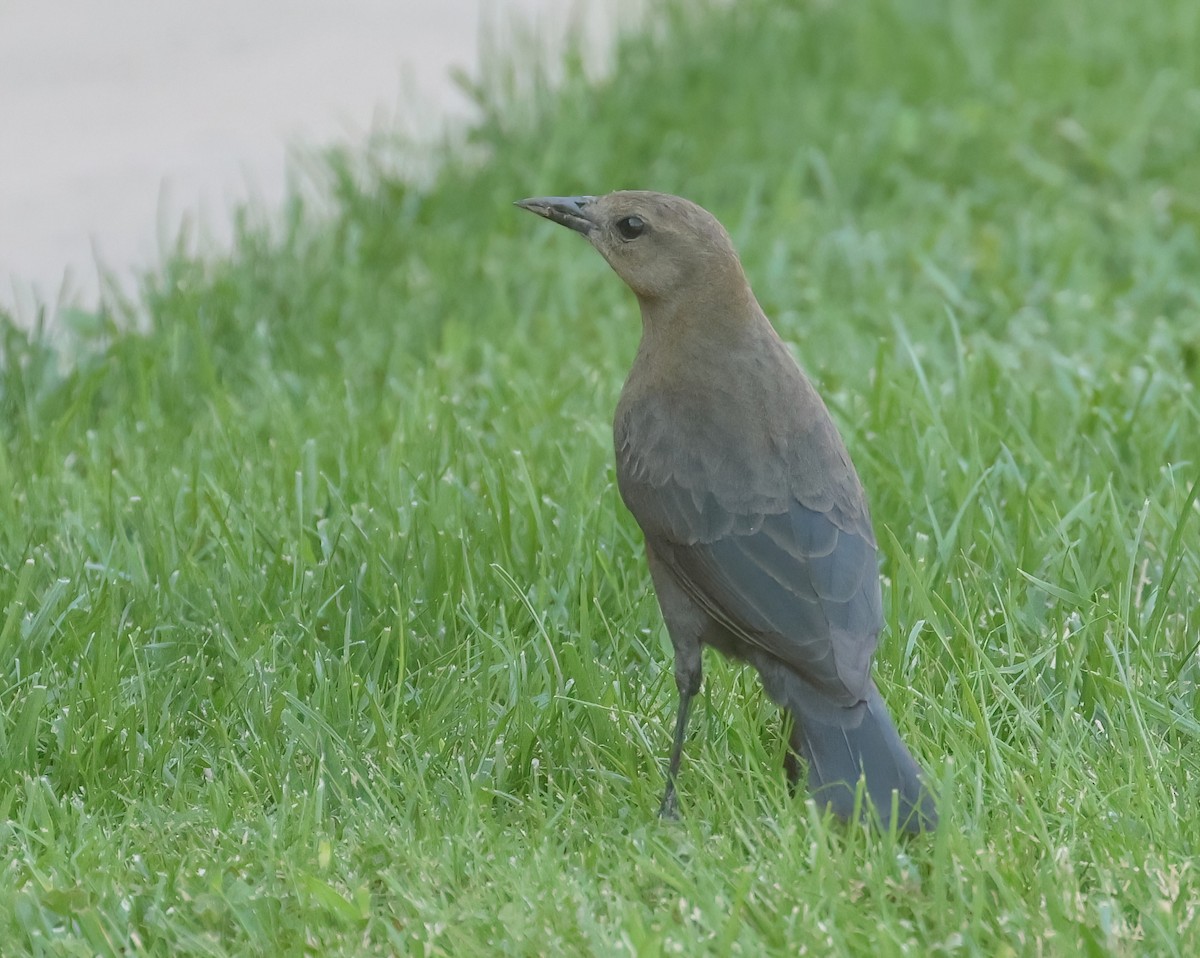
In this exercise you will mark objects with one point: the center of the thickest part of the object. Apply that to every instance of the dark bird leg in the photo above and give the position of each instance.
(669, 807)
(791, 765)
(685, 624)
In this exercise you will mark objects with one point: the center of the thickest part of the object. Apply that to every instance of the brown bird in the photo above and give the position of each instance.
(757, 531)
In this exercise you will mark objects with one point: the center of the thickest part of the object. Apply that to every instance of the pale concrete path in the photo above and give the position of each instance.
(120, 119)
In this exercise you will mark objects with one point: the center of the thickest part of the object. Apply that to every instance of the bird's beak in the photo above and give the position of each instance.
(569, 211)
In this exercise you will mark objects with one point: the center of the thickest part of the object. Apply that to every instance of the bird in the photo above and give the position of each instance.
(757, 531)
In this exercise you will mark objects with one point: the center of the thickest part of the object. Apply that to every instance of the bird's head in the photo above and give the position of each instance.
(662, 246)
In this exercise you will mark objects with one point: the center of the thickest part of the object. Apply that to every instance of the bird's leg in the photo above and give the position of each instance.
(791, 765)
(686, 623)
(795, 749)
(669, 807)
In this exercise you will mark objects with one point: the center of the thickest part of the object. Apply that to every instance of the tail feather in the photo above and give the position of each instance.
(862, 741)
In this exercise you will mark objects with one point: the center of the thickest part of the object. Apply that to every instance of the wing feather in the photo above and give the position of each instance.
(795, 583)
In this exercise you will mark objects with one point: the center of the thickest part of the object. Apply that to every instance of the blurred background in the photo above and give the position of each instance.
(124, 120)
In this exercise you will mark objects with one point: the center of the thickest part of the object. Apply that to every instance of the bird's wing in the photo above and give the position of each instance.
(801, 583)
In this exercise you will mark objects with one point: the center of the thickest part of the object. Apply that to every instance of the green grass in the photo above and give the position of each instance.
(322, 630)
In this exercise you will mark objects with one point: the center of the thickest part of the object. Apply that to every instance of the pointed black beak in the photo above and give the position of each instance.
(569, 211)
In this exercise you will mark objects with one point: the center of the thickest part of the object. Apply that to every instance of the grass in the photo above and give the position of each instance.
(322, 630)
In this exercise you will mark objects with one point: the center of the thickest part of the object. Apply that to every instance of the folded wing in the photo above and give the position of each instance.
(800, 583)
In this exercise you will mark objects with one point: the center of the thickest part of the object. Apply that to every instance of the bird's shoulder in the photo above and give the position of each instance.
(741, 444)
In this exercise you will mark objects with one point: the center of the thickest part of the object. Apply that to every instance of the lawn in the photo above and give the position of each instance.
(322, 628)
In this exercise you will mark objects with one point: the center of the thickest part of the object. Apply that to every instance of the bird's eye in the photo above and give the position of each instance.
(631, 227)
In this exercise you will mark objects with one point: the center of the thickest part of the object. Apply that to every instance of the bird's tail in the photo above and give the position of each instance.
(838, 752)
